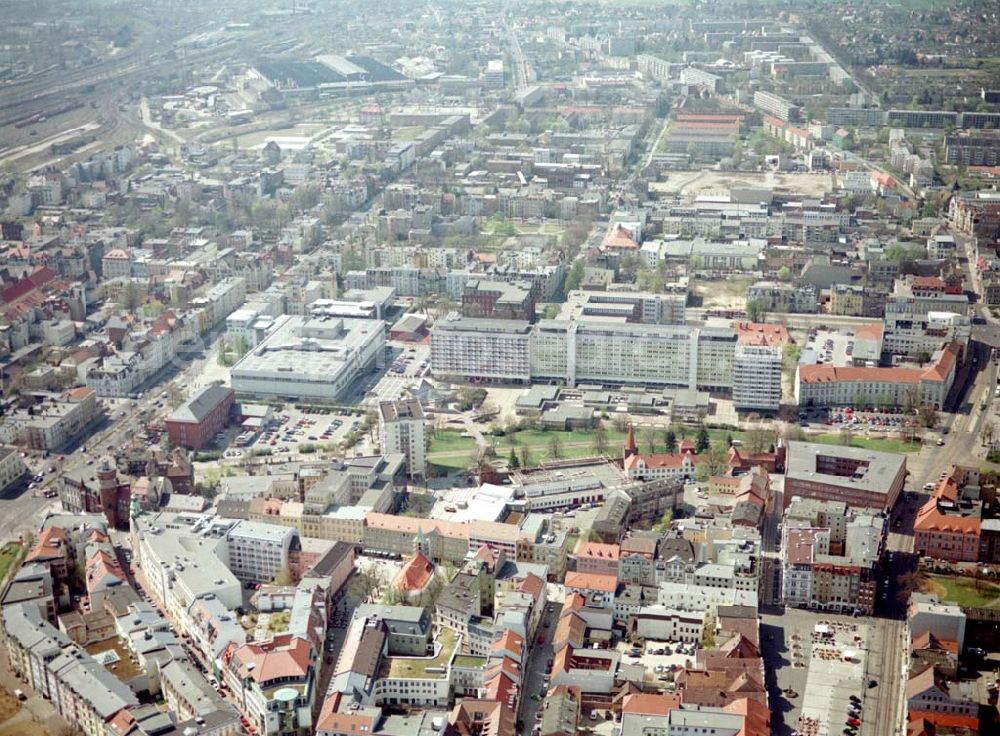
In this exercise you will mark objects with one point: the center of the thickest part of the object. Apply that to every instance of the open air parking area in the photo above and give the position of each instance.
(820, 673)
(291, 432)
(661, 659)
(406, 364)
(829, 346)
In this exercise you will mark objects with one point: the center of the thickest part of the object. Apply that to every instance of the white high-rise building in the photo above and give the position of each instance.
(401, 426)
(257, 552)
(757, 378)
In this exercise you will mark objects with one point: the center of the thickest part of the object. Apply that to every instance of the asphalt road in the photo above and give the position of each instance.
(536, 669)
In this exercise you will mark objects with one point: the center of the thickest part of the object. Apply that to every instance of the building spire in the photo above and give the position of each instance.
(630, 447)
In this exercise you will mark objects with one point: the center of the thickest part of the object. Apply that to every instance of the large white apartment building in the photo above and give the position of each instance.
(481, 349)
(257, 552)
(401, 427)
(611, 353)
(775, 105)
(757, 377)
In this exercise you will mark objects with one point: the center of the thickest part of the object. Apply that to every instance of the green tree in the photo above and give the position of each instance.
(351, 260)
(284, 577)
(791, 354)
(512, 462)
(501, 227)
(701, 440)
(130, 297)
(711, 462)
(575, 276)
(670, 440)
(664, 523)
(756, 312)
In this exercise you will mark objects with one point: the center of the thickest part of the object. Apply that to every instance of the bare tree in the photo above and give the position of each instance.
(555, 445)
(367, 583)
(758, 440)
(989, 433)
(600, 440)
(481, 460)
(649, 438)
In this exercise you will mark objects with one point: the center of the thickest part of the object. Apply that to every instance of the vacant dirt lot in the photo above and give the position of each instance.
(691, 183)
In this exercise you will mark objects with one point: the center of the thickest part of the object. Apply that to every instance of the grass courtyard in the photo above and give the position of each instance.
(965, 591)
(9, 555)
(881, 444)
(449, 450)
(417, 667)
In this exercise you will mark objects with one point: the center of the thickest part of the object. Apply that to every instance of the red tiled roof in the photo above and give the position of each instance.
(285, 656)
(649, 704)
(947, 720)
(931, 519)
(620, 238)
(569, 631)
(49, 545)
(598, 550)
(533, 586)
(509, 641)
(330, 720)
(411, 525)
(415, 574)
(572, 602)
(927, 640)
(591, 581)
(661, 460)
(826, 373)
(873, 331)
(756, 717)
(761, 333)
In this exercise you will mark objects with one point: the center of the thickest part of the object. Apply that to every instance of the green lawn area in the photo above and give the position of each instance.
(450, 441)
(882, 444)
(467, 660)
(9, 554)
(403, 667)
(450, 451)
(961, 590)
